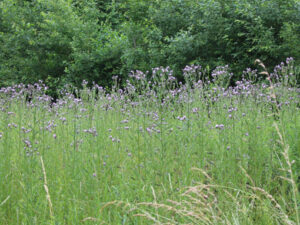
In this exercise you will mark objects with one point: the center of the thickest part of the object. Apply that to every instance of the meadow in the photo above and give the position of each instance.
(154, 152)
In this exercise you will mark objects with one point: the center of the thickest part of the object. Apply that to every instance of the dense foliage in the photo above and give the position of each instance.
(65, 41)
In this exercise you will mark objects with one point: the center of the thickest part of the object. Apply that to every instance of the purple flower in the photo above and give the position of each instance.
(194, 110)
(125, 121)
(219, 126)
(181, 118)
(28, 143)
(289, 60)
(84, 83)
(63, 119)
(25, 130)
(149, 130)
(10, 125)
(92, 131)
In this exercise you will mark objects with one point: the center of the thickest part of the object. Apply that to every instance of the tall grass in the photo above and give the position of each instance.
(126, 157)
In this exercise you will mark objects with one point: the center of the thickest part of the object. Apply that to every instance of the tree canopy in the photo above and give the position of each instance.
(66, 41)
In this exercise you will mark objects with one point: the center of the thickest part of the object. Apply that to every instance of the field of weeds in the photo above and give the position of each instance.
(154, 152)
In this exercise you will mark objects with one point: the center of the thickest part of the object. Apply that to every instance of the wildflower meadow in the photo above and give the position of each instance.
(209, 150)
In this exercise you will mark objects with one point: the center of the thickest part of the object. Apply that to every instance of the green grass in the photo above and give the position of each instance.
(120, 173)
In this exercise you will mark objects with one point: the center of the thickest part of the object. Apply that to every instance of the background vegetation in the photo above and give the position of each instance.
(122, 152)
(66, 41)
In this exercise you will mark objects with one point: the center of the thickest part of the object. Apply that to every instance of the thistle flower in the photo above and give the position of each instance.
(195, 110)
(28, 143)
(219, 126)
(92, 131)
(149, 130)
(125, 121)
(181, 118)
(11, 125)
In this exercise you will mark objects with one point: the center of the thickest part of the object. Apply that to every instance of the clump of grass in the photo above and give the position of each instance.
(215, 204)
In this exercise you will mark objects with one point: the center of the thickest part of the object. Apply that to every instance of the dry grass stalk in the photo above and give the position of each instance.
(5, 200)
(118, 203)
(200, 206)
(89, 219)
(283, 215)
(285, 147)
(47, 189)
(272, 93)
(291, 180)
(247, 175)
